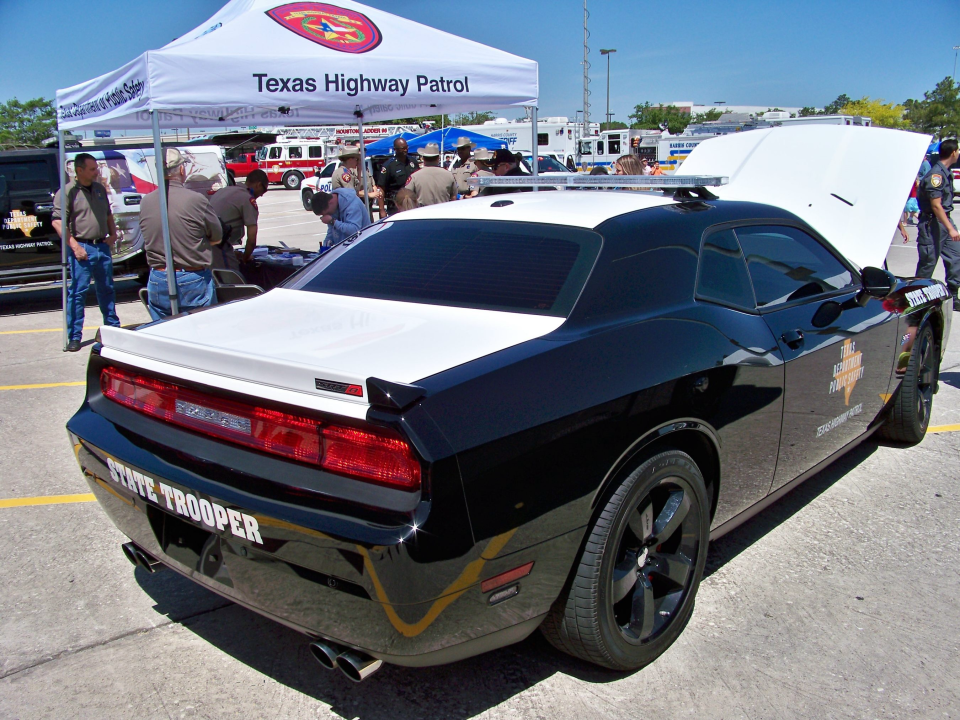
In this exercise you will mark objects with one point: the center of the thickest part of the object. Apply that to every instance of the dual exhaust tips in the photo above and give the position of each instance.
(141, 558)
(356, 665)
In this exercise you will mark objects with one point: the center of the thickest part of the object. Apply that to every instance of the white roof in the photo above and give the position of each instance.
(562, 207)
(255, 56)
(848, 183)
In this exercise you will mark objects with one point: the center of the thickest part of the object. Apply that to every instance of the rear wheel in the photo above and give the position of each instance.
(910, 414)
(292, 180)
(306, 196)
(634, 587)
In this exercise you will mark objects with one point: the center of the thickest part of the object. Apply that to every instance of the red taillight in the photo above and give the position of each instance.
(369, 455)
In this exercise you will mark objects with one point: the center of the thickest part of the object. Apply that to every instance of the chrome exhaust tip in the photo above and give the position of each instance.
(130, 552)
(325, 653)
(140, 558)
(358, 666)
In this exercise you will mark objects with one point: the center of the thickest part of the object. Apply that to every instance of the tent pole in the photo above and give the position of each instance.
(164, 220)
(363, 159)
(64, 249)
(534, 164)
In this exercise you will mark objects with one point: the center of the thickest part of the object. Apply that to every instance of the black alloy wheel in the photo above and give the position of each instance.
(634, 588)
(910, 415)
(306, 196)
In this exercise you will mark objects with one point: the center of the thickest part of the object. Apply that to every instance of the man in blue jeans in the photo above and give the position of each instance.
(90, 233)
(194, 229)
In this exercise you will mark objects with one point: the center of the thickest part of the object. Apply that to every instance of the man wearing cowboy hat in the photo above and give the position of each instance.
(464, 167)
(431, 183)
(194, 228)
(481, 158)
(349, 175)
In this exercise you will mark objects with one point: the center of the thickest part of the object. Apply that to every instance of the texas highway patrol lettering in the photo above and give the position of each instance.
(186, 504)
(839, 420)
(351, 86)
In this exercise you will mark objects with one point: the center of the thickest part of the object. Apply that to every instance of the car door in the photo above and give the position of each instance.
(28, 242)
(837, 343)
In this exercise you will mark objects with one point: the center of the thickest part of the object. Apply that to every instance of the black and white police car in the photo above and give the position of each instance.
(524, 411)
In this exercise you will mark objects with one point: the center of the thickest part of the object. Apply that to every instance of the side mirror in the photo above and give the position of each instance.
(877, 282)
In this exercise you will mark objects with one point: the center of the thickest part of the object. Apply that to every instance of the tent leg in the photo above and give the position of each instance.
(534, 164)
(363, 159)
(64, 248)
(164, 220)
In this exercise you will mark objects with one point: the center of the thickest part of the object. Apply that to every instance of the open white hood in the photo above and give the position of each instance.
(849, 183)
(289, 339)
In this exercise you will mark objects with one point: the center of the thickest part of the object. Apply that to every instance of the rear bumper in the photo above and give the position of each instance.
(322, 572)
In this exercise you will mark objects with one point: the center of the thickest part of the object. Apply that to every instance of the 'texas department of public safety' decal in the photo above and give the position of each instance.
(333, 27)
(847, 371)
(339, 387)
(197, 509)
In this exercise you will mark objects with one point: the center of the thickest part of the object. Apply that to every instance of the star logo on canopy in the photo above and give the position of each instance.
(329, 25)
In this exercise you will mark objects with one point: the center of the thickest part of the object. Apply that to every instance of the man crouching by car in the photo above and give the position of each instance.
(194, 229)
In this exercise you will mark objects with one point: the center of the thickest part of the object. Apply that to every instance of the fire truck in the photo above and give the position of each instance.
(304, 150)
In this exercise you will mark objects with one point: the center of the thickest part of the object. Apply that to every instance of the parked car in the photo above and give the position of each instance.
(533, 410)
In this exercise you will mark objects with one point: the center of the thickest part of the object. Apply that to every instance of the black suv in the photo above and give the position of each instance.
(29, 247)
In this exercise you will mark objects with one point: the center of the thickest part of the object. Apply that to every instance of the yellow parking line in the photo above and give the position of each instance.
(22, 332)
(943, 428)
(42, 385)
(47, 500)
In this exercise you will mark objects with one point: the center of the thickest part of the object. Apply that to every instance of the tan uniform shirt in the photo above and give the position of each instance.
(236, 207)
(432, 185)
(462, 171)
(90, 211)
(344, 177)
(194, 227)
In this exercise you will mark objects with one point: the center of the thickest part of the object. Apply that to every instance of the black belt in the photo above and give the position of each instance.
(181, 268)
(98, 241)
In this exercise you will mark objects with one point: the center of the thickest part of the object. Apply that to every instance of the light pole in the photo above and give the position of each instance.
(955, 49)
(608, 53)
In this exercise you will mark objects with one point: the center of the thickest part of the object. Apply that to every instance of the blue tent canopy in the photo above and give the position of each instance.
(384, 146)
(447, 140)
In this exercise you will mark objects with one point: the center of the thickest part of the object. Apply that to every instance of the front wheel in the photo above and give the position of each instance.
(306, 196)
(634, 586)
(910, 414)
(292, 180)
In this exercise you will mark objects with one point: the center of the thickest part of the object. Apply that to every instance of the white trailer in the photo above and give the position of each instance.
(556, 136)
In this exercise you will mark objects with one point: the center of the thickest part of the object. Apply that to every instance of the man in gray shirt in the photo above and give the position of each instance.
(90, 233)
(194, 229)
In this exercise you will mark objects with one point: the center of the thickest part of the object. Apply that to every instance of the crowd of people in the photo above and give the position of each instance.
(203, 231)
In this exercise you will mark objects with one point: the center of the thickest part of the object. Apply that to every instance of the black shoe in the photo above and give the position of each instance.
(73, 346)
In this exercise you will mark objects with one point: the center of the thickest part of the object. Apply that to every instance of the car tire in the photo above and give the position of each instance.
(910, 415)
(662, 509)
(306, 196)
(292, 180)
(231, 178)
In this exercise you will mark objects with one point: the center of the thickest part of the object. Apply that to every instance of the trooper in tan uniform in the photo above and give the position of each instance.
(194, 229)
(236, 206)
(464, 167)
(432, 184)
(349, 175)
(481, 159)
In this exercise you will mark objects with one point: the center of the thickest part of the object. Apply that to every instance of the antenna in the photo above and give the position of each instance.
(586, 74)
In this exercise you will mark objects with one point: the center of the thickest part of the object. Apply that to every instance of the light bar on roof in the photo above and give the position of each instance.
(592, 181)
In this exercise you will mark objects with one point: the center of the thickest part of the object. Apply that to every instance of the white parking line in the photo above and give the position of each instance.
(277, 227)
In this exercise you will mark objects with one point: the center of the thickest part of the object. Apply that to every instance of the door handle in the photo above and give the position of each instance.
(792, 338)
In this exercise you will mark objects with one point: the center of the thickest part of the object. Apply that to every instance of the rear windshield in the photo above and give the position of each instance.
(489, 265)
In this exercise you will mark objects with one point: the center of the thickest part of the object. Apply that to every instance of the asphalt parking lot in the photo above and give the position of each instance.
(840, 601)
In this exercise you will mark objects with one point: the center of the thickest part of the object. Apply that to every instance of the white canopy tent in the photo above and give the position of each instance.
(295, 63)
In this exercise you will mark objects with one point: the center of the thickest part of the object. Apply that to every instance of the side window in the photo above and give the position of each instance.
(613, 146)
(294, 152)
(787, 264)
(723, 272)
(329, 170)
(275, 153)
(600, 147)
(316, 151)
